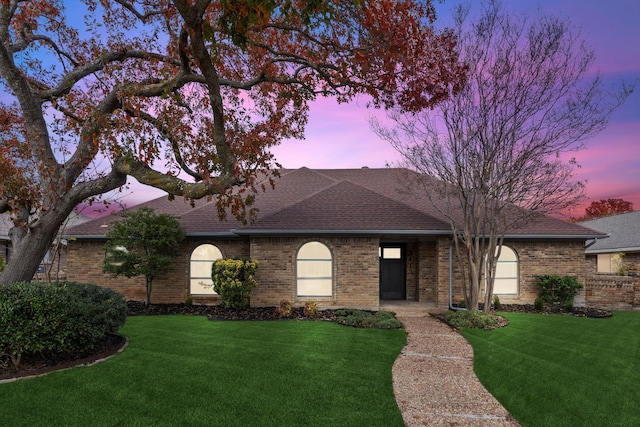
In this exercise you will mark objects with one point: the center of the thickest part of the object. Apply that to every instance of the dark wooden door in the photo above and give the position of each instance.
(392, 272)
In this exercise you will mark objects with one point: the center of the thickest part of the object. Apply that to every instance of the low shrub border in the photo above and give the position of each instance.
(56, 318)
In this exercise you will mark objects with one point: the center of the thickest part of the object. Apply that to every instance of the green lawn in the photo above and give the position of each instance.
(188, 371)
(563, 370)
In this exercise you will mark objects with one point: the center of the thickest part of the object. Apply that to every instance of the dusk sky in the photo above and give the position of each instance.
(339, 136)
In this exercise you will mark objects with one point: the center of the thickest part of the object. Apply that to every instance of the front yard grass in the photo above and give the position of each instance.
(563, 370)
(188, 371)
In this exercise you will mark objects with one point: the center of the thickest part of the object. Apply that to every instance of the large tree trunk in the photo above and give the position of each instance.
(31, 245)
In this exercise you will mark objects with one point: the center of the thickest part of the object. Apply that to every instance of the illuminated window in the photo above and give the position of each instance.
(202, 258)
(506, 282)
(314, 267)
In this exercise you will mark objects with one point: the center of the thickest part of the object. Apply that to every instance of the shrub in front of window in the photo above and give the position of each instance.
(233, 280)
(56, 318)
(559, 290)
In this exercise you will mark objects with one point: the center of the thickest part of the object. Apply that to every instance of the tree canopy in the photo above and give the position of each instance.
(605, 207)
(188, 96)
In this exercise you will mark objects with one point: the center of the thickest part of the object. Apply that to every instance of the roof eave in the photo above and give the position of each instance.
(263, 232)
(611, 250)
(556, 236)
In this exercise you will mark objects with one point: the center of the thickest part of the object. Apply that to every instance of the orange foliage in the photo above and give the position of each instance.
(164, 89)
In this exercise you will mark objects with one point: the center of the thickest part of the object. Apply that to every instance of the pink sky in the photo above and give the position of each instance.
(339, 136)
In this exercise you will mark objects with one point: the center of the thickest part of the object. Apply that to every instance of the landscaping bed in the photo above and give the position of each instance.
(37, 364)
(556, 309)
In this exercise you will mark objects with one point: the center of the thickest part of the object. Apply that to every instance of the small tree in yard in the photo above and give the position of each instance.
(142, 244)
(491, 156)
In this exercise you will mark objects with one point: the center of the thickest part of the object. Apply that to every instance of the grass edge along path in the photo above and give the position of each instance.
(563, 370)
(188, 371)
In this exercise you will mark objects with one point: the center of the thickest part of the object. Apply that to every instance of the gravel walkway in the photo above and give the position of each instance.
(434, 382)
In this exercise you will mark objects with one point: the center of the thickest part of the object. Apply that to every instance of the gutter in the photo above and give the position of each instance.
(271, 232)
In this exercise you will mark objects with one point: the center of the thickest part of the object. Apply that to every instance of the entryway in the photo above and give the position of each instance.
(393, 285)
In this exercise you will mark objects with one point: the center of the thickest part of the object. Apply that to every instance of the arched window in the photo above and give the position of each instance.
(506, 282)
(314, 270)
(202, 258)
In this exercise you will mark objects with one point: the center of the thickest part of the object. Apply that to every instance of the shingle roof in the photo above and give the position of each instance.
(623, 231)
(331, 201)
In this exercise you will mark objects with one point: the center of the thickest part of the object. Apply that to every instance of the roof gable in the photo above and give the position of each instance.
(347, 206)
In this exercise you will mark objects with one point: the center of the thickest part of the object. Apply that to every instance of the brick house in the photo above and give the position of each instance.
(341, 238)
(623, 237)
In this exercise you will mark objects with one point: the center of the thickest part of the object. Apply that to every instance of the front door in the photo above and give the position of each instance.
(392, 272)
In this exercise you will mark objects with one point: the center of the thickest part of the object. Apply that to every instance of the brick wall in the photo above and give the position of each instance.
(355, 271)
(85, 258)
(535, 257)
(613, 292)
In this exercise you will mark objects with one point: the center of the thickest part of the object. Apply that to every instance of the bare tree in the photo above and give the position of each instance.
(498, 148)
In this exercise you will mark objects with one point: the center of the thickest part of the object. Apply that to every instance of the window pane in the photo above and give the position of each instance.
(507, 269)
(202, 259)
(314, 250)
(604, 263)
(201, 269)
(197, 287)
(506, 280)
(507, 254)
(314, 269)
(314, 287)
(505, 286)
(206, 253)
(392, 253)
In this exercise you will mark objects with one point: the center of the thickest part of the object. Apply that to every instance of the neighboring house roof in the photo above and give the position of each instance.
(623, 231)
(6, 224)
(331, 201)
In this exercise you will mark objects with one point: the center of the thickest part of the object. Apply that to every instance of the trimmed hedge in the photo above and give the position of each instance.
(233, 279)
(56, 318)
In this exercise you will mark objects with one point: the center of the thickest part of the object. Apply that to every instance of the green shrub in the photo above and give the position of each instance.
(233, 280)
(56, 318)
(364, 319)
(2, 264)
(472, 319)
(496, 303)
(558, 289)
(538, 304)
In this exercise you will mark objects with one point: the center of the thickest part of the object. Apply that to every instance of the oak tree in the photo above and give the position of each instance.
(492, 156)
(188, 96)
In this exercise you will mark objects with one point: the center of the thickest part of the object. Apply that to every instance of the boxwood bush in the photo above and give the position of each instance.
(56, 318)
(233, 279)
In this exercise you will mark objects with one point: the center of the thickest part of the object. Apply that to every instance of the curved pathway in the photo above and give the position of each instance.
(434, 382)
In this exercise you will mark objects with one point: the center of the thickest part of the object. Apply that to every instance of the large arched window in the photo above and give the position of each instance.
(506, 282)
(202, 258)
(314, 271)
